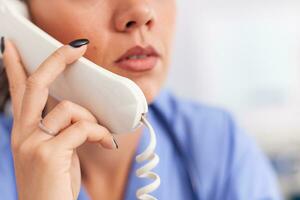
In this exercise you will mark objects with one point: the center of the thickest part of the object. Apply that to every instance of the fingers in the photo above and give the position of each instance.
(16, 76)
(66, 113)
(36, 92)
(69, 118)
(80, 132)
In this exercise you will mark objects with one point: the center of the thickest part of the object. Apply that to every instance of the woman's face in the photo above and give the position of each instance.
(131, 38)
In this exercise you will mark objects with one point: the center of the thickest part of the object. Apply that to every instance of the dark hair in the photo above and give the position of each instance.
(4, 89)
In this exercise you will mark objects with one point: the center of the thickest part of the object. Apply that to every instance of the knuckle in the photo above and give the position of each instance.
(66, 105)
(22, 150)
(32, 82)
(83, 125)
(58, 55)
(105, 133)
(43, 153)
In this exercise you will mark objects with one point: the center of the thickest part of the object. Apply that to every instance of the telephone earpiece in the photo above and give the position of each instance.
(116, 101)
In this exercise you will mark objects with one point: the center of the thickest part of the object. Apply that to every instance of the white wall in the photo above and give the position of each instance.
(244, 55)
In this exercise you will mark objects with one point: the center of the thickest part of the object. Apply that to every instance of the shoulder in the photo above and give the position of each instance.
(172, 104)
(203, 131)
(227, 159)
(200, 119)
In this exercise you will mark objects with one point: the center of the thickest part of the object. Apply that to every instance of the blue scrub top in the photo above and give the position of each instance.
(223, 161)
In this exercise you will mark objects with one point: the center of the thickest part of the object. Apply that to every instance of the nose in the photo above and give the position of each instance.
(134, 15)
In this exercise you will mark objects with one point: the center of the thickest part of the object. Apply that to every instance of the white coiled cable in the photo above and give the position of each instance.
(145, 171)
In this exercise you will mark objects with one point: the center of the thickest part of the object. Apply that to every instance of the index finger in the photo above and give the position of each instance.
(16, 75)
(36, 92)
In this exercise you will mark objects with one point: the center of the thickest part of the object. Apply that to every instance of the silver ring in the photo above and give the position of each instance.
(46, 130)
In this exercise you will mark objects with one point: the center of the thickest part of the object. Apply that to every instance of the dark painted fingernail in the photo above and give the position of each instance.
(78, 43)
(115, 142)
(2, 45)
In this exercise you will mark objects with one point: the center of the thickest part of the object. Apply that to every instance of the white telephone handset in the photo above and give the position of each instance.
(117, 102)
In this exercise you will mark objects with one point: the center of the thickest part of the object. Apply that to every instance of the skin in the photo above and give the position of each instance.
(61, 163)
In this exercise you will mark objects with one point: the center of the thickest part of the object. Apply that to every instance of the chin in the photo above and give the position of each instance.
(150, 84)
(150, 97)
(150, 90)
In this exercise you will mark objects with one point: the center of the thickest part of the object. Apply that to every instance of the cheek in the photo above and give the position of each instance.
(98, 47)
(150, 86)
(106, 45)
(166, 20)
(73, 26)
(66, 21)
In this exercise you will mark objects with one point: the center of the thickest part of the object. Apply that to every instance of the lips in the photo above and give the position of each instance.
(138, 59)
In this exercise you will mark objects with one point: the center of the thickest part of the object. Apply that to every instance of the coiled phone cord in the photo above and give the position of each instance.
(145, 171)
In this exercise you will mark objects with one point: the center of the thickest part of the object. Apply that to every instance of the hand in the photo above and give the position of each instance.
(46, 166)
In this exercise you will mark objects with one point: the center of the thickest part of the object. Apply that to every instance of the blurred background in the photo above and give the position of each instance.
(245, 56)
